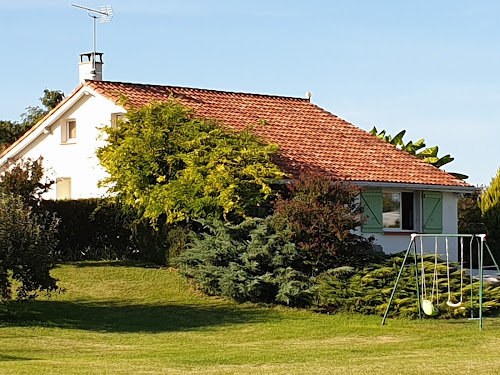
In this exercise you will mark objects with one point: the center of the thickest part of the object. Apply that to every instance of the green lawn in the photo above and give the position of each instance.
(115, 318)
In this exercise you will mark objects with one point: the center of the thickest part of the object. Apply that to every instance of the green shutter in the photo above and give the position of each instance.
(433, 213)
(372, 205)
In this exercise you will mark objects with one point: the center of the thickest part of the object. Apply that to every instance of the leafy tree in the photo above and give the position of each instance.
(10, 131)
(322, 215)
(50, 100)
(429, 155)
(26, 179)
(165, 161)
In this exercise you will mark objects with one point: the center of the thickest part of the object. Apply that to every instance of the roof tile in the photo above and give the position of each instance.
(309, 137)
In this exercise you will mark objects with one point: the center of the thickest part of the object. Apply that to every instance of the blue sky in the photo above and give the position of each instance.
(430, 67)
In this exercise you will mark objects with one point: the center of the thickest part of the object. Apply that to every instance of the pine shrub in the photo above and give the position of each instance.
(248, 262)
(367, 290)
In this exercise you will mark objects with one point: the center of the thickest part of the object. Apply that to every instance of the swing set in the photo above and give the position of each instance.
(428, 301)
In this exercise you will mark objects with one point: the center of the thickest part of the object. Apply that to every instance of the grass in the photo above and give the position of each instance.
(120, 318)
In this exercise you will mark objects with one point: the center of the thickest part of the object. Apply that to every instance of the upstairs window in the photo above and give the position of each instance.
(116, 118)
(68, 132)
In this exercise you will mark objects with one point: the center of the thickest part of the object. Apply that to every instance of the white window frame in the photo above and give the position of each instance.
(66, 137)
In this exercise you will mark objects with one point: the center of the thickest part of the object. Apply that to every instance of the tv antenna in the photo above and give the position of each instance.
(104, 14)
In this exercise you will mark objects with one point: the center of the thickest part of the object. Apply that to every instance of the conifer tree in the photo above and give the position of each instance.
(489, 202)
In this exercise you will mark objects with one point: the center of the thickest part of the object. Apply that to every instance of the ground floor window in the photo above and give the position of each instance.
(397, 210)
(63, 188)
(393, 210)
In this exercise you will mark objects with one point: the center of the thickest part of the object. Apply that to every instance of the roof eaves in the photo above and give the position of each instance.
(466, 188)
(38, 125)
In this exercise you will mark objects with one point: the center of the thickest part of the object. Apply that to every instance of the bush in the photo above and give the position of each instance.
(27, 244)
(367, 290)
(469, 214)
(248, 262)
(99, 229)
(278, 259)
(322, 214)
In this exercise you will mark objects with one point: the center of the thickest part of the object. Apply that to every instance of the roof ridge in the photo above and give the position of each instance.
(90, 82)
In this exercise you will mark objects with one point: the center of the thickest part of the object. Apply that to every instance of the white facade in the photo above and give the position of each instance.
(71, 161)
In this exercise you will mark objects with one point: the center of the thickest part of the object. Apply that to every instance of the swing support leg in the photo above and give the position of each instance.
(492, 257)
(412, 242)
(419, 301)
(481, 256)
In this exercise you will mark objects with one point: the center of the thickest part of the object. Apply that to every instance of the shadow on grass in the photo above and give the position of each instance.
(111, 316)
(5, 358)
(112, 263)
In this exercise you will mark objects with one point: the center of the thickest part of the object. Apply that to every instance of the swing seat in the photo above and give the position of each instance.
(429, 308)
(457, 305)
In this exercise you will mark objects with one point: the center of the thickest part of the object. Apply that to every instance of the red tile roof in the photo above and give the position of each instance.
(308, 136)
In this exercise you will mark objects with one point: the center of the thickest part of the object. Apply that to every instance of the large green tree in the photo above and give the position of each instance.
(164, 161)
(10, 131)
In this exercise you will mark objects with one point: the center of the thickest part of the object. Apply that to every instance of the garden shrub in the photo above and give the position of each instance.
(278, 259)
(367, 290)
(27, 244)
(322, 214)
(248, 262)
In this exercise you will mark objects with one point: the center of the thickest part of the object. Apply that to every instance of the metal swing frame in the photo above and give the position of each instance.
(413, 246)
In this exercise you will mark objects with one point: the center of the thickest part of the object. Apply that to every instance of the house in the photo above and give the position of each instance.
(402, 193)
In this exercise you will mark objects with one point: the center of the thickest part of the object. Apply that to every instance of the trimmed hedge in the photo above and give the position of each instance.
(98, 229)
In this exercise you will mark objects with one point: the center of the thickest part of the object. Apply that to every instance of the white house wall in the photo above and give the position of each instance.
(76, 160)
(393, 242)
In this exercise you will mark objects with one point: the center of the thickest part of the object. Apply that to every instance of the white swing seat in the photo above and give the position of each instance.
(429, 308)
(456, 305)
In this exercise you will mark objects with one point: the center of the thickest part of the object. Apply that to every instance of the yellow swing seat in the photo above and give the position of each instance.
(458, 305)
(429, 308)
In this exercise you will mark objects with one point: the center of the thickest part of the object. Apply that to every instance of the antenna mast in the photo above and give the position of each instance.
(104, 14)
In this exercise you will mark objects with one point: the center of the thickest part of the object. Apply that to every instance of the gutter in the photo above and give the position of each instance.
(409, 186)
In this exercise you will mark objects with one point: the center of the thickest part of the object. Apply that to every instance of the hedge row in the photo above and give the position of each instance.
(97, 229)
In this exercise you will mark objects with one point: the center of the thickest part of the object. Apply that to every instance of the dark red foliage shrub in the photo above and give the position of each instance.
(323, 214)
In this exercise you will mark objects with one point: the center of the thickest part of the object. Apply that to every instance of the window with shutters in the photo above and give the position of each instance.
(399, 211)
